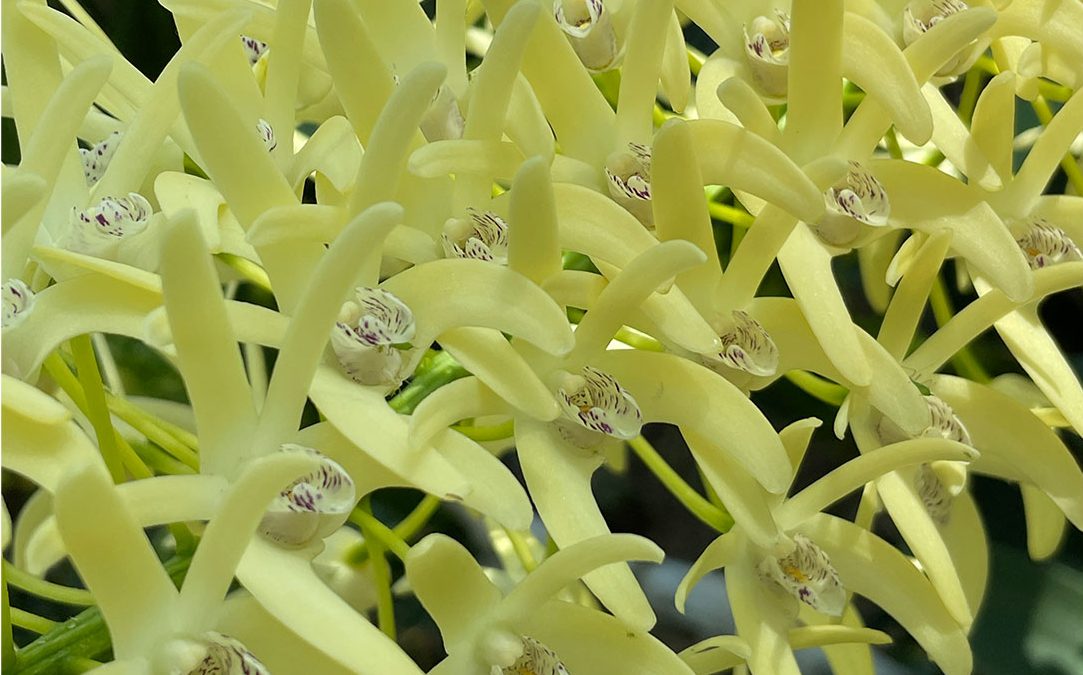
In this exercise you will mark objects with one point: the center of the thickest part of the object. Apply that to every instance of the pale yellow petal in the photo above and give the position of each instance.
(493, 360)
(718, 554)
(814, 108)
(869, 566)
(286, 585)
(1045, 523)
(643, 47)
(675, 390)
(206, 349)
(533, 234)
(558, 477)
(103, 538)
(908, 303)
(452, 588)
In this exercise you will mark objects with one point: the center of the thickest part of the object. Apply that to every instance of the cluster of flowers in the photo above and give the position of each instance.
(417, 241)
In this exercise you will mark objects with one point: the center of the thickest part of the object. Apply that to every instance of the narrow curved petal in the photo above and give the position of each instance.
(908, 303)
(992, 128)
(153, 501)
(718, 554)
(952, 137)
(1042, 359)
(206, 349)
(1044, 157)
(814, 113)
(44, 152)
(243, 619)
(871, 60)
(643, 47)
(806, 264)
(596, 226)
(229, 532)
(745, 500)
(869, 566)
(455, 401)
(675, 390)
(494, 361)
(680, 209)
(41, 442)
(284, 72)
(577, 111)
(795, 438)
(485, 295)
(361, 415)
(333, 151)
(611, 649)
(158, 112)
(558, 477)
(1045, 523)
(740, 159)
(469, 158)
(716, 654)
(286, 586)
(309, 328)
(969, 547)
(641, 277)
(452, 588)
(1007, 432)
(89, 510)
(403, 33)
(245, 173)
(760, 613)
(868, 467)
(533, 234)
(362, 79)
(495, 491)
(395, 134)
(980, 315)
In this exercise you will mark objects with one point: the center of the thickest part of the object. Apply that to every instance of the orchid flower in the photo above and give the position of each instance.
(528, 630)
(784, 552)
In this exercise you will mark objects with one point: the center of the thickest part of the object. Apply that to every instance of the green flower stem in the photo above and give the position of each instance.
(713, 516)
(249, 271)
(31, 622)
(522, 550)
(45, 589)
(731, 214)
(491, 433)
(8, 659)
(57, 369)
(965, 363)
(78, 664)
(1068, 163)
(818, 388)
(372, 527)
(440, 369)
(968, 100)
(409, 526)
(638, 340)
(84, 636)
(891, 140)
(695, 61)
(161, 462)
(156, 431)
(381, 571)
(95, 408)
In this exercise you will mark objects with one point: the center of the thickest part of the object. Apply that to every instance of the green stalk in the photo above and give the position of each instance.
(818, 388)
(31, 622)
(409, 526)
(1068, 163)
(372, 526)
(8, 659)
(965, 363)
(713, 516)
(46, 589)
(441, 369)
(491, 433)
(154, 429)
(522, 550)
(381, 571)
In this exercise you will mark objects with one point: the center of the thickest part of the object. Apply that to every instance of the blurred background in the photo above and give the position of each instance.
(1032, 621)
